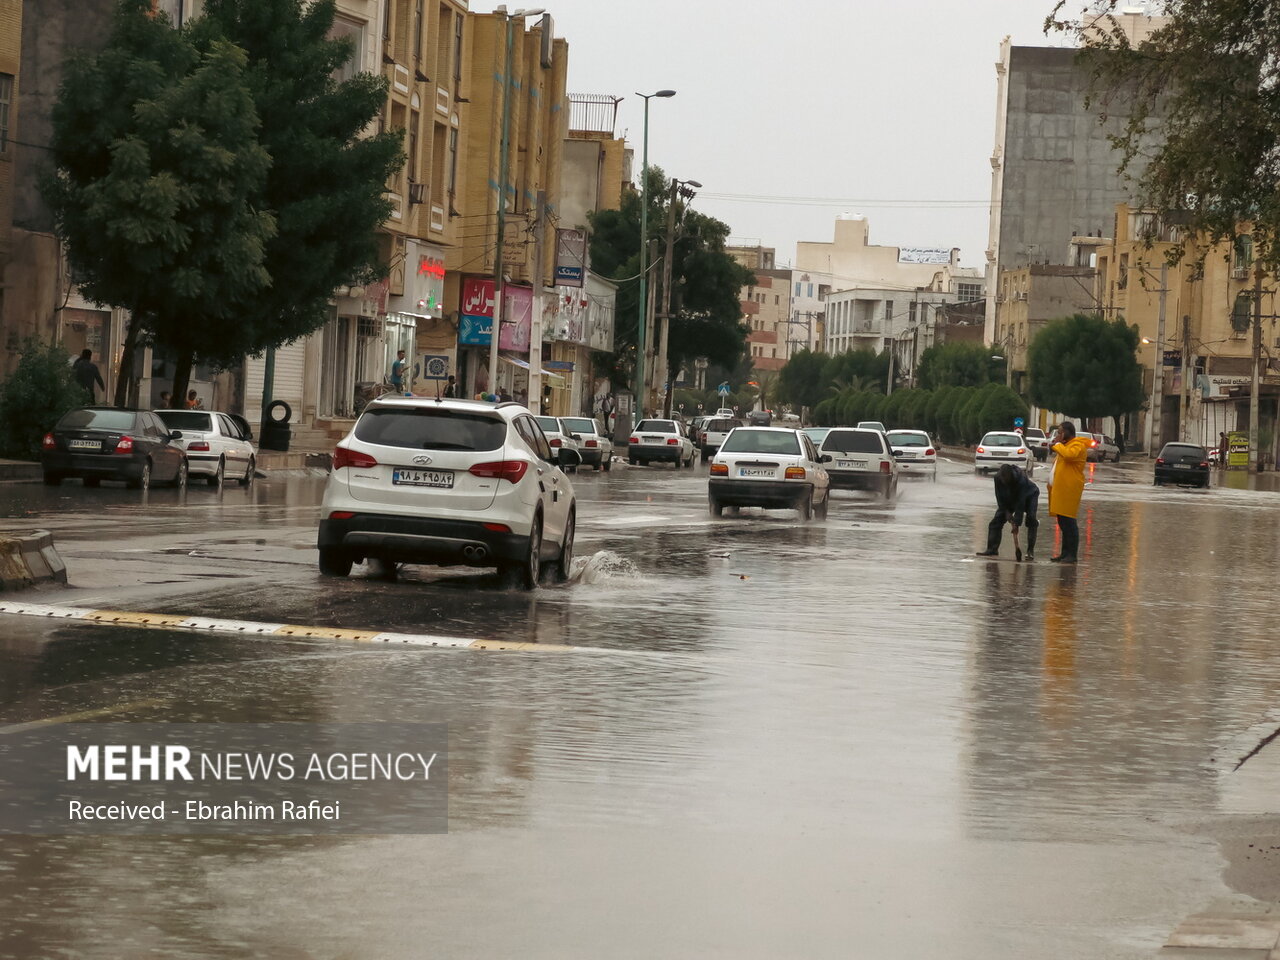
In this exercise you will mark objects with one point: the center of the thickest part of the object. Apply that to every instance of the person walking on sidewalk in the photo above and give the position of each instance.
(1066, 487)
(85, 372)
(1017, 499)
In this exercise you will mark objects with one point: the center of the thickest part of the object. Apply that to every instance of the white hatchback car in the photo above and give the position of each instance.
(659, 440)
(770, 467)
(860, 459)
(1038, 441)
(219, 445)
(449, 482)
(714, 432)
(594, 445)
(556, 434)
(1000, 446)
(915, 452)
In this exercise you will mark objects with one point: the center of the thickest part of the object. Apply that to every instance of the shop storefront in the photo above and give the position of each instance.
(475, 325)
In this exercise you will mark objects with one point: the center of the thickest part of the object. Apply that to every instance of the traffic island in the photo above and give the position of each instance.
(27, 560)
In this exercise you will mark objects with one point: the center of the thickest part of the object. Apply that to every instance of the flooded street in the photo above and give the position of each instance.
(842, 738)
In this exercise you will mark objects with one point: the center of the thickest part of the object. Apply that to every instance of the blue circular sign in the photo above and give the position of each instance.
(1018, 421)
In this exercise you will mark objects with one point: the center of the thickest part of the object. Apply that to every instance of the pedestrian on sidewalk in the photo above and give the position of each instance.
(1224, 448)
(1066, 487)
(1017, 500)
(85, 372)
(397, 372)
(451, 387)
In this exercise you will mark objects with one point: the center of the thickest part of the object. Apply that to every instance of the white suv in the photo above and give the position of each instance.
(448, 482)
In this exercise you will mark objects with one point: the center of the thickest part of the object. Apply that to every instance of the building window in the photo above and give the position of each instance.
(797, 289)
(453, 162)
(777, 299)
(342, 27)
(6, 98)
(969, 291)
(417, 32)
(810, 293)
(386, 19)
(888, 310)
(414, 122)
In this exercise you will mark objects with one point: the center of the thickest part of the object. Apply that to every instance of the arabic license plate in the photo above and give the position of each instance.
(851, 463)
(1182, 466)
(755, 472)
(653, 439)
(423, 478)
(84, 444)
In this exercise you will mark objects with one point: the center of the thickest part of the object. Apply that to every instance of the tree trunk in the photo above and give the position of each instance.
(181, 378)
(125, 374)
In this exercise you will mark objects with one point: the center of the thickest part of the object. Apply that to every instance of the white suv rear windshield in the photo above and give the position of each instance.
(853, 441)
(761, 441)
(657, 426)
(431, 429)
(1035, 433)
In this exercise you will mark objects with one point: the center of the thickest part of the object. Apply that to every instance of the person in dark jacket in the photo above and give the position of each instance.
(1017, 500)
(85, 372)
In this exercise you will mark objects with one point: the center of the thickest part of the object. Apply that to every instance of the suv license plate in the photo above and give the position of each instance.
(851, 463)
(424, 478)
(755, 472)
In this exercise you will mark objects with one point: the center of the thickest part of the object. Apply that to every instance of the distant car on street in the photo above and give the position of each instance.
(558, 436)
(218, 445)
(915, 452)
(110, 443)
(1001, 446)
(872, 425)
(860, 459)
(659, 440)
(770, 467)
(593, 444)
(760, 418)
(1102, 448)
(1038, 441)
(1184, 464)
(816, 434)
(714, 432)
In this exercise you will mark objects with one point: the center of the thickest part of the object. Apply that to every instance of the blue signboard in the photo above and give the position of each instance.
(474, 331)
(1018, 421)
(568, 276)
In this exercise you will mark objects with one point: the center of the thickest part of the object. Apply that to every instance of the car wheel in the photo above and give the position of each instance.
(92, 481)
(608, 462)
(632, 461)
(219, 474)
(247, 479)
(805, 507)
(598, 465)
(383, 569)
(715, 507)
(180, 478)
(1158, 482)
(820, 510)
(335, 562)
(52, 479)
(706, 455)
(526, 573)
(678, 462)
(564, 566)
(1117, 457)
(143, 480)
(888, 491)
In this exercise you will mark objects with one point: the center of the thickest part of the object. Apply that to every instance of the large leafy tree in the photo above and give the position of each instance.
(706, 282)
(959, 364)
(800, 381)
(159, 173)
(861, 369)
(1086, 366)
(1203, 96)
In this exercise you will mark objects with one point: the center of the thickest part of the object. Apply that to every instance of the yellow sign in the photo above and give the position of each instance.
(1238, 446)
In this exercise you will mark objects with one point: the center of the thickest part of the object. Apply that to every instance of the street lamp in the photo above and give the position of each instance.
(644, 252)
(499, 279)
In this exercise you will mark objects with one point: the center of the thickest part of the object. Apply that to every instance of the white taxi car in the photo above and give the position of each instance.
(449, 482)
(659, 440)
(860, 459)
(1001, 446)
(557, 435)
(915, 452)
(594, 445)
(770, 467)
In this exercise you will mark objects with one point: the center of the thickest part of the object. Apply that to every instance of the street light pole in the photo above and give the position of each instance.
(1157, 374)
(504, 150)
(644, 255)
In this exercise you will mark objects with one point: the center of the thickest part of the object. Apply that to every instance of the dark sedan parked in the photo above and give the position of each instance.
(1183, 464)
(108, 443)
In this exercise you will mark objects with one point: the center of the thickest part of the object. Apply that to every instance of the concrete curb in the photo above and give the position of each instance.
(20, 471)
(269, 460)
(28, 560)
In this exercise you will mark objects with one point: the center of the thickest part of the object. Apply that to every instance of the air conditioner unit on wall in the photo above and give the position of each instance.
(417, 193)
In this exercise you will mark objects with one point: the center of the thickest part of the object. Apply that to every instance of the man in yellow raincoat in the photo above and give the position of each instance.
(1066, 486)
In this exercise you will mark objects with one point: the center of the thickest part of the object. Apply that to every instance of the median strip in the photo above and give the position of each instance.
(293, 631)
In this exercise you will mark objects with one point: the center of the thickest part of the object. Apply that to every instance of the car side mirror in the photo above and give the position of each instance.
(175, 435)
(826, 458)
(576, 436)
(896, 453)
(568, 457)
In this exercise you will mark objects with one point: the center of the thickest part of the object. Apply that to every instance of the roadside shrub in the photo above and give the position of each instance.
(34, 396)
(933, 411)
(955, 421)
(894, 406)
(972, 422)
(915, 412)
(823, 415)
(1001, 408)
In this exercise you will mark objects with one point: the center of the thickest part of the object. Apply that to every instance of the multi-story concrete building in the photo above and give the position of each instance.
(1053, 170)
(1031, 296)
(850, 260)
(766, 306)
(809, 290)
(10, 59)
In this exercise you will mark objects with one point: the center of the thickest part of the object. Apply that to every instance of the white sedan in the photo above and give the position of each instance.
(1000, 447)
(219, 445)
(659, 440)
(770, 467)
(915, 453)
(559, 437)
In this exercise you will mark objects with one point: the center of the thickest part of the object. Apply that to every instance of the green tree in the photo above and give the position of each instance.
(800, 381)
(1086, 366)
(1001, 408)
(1199, 95)
(33, 397)
(824, 413)
(862, 369)
(959, 364)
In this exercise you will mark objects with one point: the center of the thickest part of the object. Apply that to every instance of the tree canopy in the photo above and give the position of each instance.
(959, 364)
(1202, 99)
(1086, 366)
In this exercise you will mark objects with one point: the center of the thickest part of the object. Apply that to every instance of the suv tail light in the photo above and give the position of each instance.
(719, 470)
(341, 515)
(124, 445)
(198, 445)
(345, 457)
(884, 467)
(794, 473)
(48, 442)
(511, 470)
(1159, 460)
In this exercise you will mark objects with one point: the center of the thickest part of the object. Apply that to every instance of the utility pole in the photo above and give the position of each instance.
(1256, 384)
(504, 148)
(663, 375)
(893, 344)
(535, 322)
(1157, 375)
(650, 307)
(1184, 421)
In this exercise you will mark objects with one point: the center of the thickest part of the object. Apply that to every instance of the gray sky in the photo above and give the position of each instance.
(832, 99)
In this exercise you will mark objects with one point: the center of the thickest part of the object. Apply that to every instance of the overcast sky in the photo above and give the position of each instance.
(841, 100)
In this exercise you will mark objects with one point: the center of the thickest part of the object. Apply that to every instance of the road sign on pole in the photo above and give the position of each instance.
(1018, 422)
(723, 389)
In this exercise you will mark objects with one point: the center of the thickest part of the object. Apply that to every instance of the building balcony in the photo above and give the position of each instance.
(750, 308)
(762, 336)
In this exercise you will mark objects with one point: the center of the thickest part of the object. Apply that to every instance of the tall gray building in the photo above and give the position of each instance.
(1053, 171)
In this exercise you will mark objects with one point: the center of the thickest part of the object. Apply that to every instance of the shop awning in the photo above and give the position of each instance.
(525, 365)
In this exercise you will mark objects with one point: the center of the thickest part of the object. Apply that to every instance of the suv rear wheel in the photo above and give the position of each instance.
(526, 573)
(564, 566)
(335, 562)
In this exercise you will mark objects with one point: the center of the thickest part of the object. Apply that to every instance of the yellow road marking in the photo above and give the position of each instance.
(324, 633)
(127, 616)
(518, 645)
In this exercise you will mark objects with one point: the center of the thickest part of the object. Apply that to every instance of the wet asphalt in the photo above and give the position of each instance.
(783, 739)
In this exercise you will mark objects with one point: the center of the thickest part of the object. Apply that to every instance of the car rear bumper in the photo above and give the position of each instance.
(642, 451)
(106, 466)
(759, 493)
(993, 463)
(859, 479)
(422, 540)
(1196, 475)
(917, 466)
(592, 454)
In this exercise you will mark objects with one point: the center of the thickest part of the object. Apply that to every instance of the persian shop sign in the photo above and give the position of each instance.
(429, 284)
(475, 321)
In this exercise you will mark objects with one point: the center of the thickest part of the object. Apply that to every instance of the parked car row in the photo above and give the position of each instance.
(140, 447)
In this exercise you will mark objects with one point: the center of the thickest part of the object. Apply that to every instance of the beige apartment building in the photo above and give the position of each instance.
(766, 307)
(850, 260)
(1028, 298)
